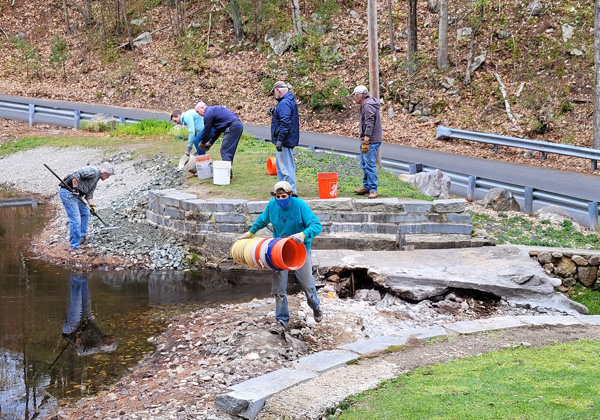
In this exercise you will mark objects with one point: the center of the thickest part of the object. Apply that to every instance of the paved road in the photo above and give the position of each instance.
(586, 187)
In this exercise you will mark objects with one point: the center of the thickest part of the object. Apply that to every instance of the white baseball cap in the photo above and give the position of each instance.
(360, 89)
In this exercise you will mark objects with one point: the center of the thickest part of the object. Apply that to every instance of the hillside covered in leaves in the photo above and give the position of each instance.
(541, 51)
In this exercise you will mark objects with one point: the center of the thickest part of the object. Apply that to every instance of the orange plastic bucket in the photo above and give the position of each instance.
(202, 158)
(271, 166)
(327, 184)
(288, 255)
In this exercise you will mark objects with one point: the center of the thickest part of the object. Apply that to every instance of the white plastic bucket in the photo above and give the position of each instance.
(204, 169)
(221, 172)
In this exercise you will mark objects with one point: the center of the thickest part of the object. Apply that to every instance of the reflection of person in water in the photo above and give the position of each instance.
(80, 328)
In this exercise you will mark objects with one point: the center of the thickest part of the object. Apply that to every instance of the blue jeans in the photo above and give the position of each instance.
(286, 167)
(231, 138)
(307, 284)
(78, 215)
(80, 306)
(369, 167)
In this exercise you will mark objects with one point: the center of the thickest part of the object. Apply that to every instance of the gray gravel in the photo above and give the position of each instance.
(121, 200)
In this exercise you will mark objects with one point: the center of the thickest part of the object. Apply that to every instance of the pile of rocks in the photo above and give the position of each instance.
(570, 268)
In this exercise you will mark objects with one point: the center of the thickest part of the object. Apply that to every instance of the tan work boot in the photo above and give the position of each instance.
(361, 191)
(373, 194)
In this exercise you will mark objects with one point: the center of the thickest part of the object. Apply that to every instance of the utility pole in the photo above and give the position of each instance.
(373, 50)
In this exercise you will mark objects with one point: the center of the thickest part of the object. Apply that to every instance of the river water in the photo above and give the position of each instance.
(66, 334)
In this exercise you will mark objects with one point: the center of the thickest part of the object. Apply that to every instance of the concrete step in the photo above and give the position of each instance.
(374, 242)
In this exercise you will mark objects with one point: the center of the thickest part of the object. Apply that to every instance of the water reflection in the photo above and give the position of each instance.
(94, 310)
(80, 328)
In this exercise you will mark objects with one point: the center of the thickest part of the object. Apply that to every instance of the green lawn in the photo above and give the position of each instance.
(554, 382)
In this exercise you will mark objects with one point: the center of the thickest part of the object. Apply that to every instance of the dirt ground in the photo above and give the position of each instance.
(204, 352)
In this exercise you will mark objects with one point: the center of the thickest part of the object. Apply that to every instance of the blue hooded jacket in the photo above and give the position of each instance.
(285, 125)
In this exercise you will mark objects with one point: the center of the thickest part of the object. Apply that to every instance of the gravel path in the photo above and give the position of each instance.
(121, 201)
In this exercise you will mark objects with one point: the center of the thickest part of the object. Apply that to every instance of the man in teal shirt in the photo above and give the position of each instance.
(290, 216)
(195, 126)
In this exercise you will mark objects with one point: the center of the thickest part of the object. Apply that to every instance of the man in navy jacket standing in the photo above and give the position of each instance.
(285, 133)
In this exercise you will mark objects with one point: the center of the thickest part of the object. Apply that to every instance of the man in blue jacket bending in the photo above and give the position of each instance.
(217, 120)
(285, 133)
(290, 216)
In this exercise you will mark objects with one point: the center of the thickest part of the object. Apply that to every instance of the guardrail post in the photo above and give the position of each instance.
(495, 147)
(76, 118)
(415, 168)
(471, 187)
(594, 164)
(122, 120)
(593, 211)
(31, 113)
(544, 155)
(528, 196)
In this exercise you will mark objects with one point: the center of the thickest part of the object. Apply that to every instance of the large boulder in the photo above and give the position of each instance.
(434, 183)
(503, 271)
(279, 42)
(500, 199)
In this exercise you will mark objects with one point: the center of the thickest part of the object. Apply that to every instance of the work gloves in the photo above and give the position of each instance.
(187, 151)
(93, 210)
(279, 146)
(364, 147)
(205, 146)
(246, 235)
(298, 237)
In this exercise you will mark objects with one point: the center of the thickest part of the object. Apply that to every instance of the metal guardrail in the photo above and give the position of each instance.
(70, 117)
(541, 146)
(65, 117)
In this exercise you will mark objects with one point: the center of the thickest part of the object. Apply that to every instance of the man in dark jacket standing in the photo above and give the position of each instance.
(285, 133)
(371, 136)
(217, 120)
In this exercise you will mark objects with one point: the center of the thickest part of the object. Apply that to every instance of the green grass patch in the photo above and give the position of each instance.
(251, 180)
(588, 297)
(148, 128)
(525, 231)
(554, 382)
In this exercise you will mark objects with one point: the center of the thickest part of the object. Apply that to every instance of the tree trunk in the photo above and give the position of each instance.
(392, 46)
(597, 70)
(296, 18)
(129, 38)
(467, 80)
(66, 13)
(373, 50)
(411, 50)
(442, 58)
(236, 16)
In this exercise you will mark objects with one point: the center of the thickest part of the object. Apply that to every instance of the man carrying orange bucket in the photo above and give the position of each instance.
(290, 216)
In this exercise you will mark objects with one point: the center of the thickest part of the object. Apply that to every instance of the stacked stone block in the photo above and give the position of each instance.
(570, 267)
(347, 222)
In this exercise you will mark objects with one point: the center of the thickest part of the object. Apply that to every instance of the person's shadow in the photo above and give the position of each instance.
(80, 328)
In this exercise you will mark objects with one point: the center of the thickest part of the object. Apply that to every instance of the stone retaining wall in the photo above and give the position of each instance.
(570, 267)
(347, 222)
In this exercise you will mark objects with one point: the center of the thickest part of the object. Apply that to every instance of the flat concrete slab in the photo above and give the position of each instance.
(489, 324)
(248, 397)
(503, 271)
(375, 345)
(590, 319)
(550, 320)
(325, 360)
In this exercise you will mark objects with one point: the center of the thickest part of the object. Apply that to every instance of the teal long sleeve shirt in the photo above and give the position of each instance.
(194, 124)
(296, 218)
